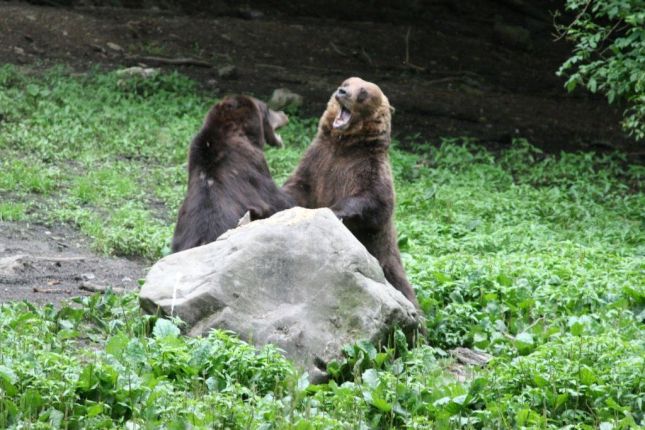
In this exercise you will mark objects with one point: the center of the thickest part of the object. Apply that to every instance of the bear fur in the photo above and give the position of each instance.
(347, 169)
(227, 172)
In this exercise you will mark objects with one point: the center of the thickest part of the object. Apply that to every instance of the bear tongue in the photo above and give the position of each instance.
(342, 119)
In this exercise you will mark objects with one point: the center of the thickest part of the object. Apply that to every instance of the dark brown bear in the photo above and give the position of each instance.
(347, 169)
(227, 172)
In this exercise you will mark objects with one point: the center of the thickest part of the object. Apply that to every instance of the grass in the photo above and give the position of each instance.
(536, 259)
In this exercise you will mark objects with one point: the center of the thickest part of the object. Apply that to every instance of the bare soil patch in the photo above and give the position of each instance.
(456, 70)
(49, 264)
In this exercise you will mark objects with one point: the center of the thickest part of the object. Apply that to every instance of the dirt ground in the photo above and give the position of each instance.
(49, 264)
(482, 69)
(455, 70)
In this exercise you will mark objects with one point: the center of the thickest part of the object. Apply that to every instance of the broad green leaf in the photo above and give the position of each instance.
(380, 358)
(381, 404)
(7, 381)
(370, 378)
(7, 374)
(577, 329)
(504, 280)
(587, 376)
(369, 349)
(615, 406)
(117, 344)
(561, 399)
(593, 85)
(8, 412)
(165, 328)
(334, 368)
(55, 418)
(540, 381)
(32, 400)
(95, 410)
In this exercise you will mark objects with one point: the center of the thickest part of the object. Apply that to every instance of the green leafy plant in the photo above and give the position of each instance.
(534, 258)
(609, 54)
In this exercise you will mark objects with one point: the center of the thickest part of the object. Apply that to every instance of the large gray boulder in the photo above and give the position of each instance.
(299, 280)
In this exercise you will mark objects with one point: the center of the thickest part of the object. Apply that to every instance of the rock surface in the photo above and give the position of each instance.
(142, 72)
(299, 280)
(283, 98)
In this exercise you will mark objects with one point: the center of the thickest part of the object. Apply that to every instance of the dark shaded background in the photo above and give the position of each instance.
(484, 69)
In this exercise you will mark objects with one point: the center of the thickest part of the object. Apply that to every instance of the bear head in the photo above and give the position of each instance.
(357, 109)
(248, 116)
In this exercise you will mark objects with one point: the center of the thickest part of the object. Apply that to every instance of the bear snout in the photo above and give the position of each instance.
(342, 95)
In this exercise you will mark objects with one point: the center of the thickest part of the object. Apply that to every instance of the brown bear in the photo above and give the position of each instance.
(227, 172)
(347, 169)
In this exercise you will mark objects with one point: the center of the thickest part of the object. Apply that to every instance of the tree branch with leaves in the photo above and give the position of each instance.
(609, 54)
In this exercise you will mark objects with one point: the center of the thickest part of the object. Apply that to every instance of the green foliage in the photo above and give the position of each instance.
(609, 54)
(536, 259)
(92, 146)
(574, 378)
(98, 364)
(10, 211)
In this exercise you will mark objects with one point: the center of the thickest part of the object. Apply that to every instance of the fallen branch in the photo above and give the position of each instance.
(444, 80)
(407, 53)
(470, 357)
(59, 259)
(316, 68)
(366, 56)
(182, 61)
(337, 49)
(461, 372)
(97, 48)
(270, 66)
(50, 290)
(95, 288)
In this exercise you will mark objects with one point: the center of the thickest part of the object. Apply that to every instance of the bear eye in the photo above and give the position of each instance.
(362, 95)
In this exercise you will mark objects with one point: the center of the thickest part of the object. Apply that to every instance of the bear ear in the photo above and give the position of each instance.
(277, 119)
(392, 110)
(271, 121)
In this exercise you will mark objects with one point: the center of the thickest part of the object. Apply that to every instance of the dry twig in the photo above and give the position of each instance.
(407, 53)
(50, 290)
(182, 61)
(366, 56)
(59, 259)
(337, 49)
(563, 33)
(95, 288)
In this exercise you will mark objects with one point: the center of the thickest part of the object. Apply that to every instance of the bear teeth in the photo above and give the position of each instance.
(342, 120)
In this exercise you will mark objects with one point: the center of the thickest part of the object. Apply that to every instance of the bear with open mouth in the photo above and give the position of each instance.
(347, 168)
(227, 172)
